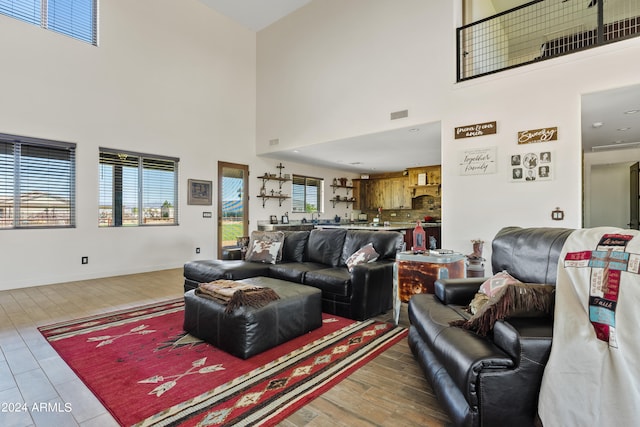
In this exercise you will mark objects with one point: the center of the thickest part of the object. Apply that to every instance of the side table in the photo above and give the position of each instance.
(416, 274)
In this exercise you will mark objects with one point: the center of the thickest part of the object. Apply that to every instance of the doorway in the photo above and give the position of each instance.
(233, 204)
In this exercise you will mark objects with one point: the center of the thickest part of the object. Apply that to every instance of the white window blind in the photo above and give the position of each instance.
(137, 189)
(306, 194)
(37, 183)
(74, 18)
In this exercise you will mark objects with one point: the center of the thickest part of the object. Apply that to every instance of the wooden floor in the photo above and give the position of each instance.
(388, 391)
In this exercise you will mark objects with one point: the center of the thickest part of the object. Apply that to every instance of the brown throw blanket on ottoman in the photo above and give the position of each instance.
(235, 294)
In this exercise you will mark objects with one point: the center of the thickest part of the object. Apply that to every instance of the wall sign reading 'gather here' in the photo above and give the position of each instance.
(479, 129)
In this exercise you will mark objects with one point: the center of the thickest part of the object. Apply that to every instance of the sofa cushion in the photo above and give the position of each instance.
(295, 245)
(514, 300)
(325, 246)
(335, 281)
(363, 255)
(265, 247)
(293, 271)
(203, 271)
(386, 243)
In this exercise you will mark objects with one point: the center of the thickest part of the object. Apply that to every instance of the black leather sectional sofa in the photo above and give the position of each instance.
(491, 380)
(318, 258)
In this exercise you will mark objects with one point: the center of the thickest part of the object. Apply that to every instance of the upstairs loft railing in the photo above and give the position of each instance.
(540, 30)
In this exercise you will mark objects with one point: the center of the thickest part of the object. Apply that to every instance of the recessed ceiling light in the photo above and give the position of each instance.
(296, 151)
(623, 129)
(632, 111)
(597, 125)
(414, 130)
(355, 163)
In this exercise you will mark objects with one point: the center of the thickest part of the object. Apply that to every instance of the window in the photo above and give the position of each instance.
(307, 194)
(37, 183)
(137, 189)
(75, 18)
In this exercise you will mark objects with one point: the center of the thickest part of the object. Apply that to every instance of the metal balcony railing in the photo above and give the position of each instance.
(540, 30)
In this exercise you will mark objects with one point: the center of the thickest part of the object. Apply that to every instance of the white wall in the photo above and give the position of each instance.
(337, 69)
(610, 195)
(169, 77)
(606, 187)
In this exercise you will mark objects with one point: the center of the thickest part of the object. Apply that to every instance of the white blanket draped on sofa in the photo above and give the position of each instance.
(593, 374)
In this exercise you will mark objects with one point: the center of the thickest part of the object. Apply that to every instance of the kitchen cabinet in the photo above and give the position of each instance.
(358, 203)
(424, 181)
(385, 193)
(395, 191)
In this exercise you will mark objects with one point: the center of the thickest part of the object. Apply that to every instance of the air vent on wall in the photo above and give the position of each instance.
(275, 141)
(399, 114)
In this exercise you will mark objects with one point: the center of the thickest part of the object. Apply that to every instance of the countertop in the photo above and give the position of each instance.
(394, 226)
(391, 227)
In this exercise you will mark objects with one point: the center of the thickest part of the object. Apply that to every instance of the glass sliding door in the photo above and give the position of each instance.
(233, 204)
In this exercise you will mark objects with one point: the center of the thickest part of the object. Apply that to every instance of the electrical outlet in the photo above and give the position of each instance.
(85, 260)
(197, 250)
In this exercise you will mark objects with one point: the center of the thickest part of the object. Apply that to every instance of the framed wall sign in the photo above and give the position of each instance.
(478, 129)
(537, 135)
(480, 161)
(199, 192)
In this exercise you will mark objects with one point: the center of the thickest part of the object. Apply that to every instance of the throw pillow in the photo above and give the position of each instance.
(363, 255)
(514, 300)
(495, 282)
(265, 247)
(489, 288)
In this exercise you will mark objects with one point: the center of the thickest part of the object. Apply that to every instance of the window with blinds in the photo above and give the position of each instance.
(307, 194)
(37, 183)
(74, 18)
(137, 189)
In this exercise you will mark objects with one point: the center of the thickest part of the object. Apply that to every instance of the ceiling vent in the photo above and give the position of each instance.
(615, 146)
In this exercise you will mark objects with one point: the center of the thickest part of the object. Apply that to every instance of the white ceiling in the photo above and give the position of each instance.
(613, 110)
(388, 151)
(395, 150)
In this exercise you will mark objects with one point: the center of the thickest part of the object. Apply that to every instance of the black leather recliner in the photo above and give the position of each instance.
(493, 380)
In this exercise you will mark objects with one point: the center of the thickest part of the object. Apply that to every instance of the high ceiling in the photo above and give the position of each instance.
(398, 149)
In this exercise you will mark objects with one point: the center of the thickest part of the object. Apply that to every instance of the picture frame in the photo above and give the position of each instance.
(273, 219)
(200, 192)
(532, 166)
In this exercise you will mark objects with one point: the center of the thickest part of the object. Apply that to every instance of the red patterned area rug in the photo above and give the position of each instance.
(147, 371)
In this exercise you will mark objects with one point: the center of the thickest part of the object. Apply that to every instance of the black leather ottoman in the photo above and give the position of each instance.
(248, 331)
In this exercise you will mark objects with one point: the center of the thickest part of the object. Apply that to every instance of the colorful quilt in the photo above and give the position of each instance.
(593, 374)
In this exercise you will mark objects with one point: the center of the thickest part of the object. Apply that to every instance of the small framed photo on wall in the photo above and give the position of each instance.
(531, 166)
(199, 192)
